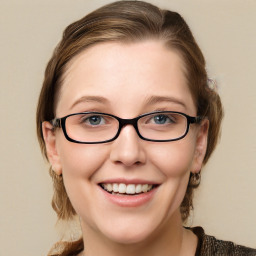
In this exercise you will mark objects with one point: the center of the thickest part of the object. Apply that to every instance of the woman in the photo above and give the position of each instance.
(127, 119)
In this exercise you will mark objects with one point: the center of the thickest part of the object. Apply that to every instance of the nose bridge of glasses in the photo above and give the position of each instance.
(125, 122)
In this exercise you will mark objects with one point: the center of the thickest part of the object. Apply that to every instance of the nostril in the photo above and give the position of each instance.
(128, 163)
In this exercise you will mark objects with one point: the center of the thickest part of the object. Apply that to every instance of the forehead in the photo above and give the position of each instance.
(117, 70)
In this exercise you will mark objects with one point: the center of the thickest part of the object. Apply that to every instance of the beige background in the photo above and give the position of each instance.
(226, 201)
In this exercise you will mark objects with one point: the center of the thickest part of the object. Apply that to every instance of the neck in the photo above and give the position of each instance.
(170, 239)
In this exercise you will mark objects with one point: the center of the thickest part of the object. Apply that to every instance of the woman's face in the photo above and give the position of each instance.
(126, 80)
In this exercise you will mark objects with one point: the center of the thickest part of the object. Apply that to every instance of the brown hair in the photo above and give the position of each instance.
(129, 21)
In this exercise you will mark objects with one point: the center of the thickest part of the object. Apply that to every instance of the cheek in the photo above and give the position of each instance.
(173, 158)
(81, 159)
(79, 164)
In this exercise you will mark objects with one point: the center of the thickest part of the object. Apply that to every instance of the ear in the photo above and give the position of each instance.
(201, 146)
(50, 142)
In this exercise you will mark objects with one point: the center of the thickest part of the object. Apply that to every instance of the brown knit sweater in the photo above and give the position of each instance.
(210, 246)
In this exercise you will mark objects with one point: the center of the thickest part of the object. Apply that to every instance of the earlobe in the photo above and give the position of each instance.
(201, 146)
(50, 143)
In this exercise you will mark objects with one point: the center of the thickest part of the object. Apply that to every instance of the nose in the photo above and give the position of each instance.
(127, 149)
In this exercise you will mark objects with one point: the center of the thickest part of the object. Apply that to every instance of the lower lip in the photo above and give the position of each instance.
(130, 200)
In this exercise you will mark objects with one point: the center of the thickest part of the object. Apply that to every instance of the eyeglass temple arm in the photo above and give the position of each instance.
(195, 120)
(56, 122)
(198, 119)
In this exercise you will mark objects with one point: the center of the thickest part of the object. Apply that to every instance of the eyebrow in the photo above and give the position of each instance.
(98, 99)
(150, 101)
(158, 99)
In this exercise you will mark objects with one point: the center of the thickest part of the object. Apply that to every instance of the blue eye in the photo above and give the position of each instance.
(93, 120)
(161, 119)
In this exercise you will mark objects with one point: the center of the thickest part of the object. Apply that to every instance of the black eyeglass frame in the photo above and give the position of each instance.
(61, 123)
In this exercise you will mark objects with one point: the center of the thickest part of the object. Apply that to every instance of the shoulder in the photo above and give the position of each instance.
(209, 245)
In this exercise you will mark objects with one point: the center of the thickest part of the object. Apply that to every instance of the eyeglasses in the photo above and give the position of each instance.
(96, 127)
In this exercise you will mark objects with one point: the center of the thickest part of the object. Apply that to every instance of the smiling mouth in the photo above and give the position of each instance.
(127, 189)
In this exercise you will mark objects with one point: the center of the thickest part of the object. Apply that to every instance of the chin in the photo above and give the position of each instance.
(129, 230)
(128, 237)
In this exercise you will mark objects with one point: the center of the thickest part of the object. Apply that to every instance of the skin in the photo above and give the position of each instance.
(127, 76)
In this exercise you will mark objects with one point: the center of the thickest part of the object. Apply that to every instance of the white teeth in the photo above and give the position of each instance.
(109, 187)
(144, 188)
(129, 189)
(115, 187)
(122, 188)
(138, 188)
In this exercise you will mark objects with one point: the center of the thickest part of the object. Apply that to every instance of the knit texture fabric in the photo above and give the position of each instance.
(210, 246)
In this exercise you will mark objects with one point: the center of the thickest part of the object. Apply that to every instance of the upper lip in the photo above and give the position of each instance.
(129, 181)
